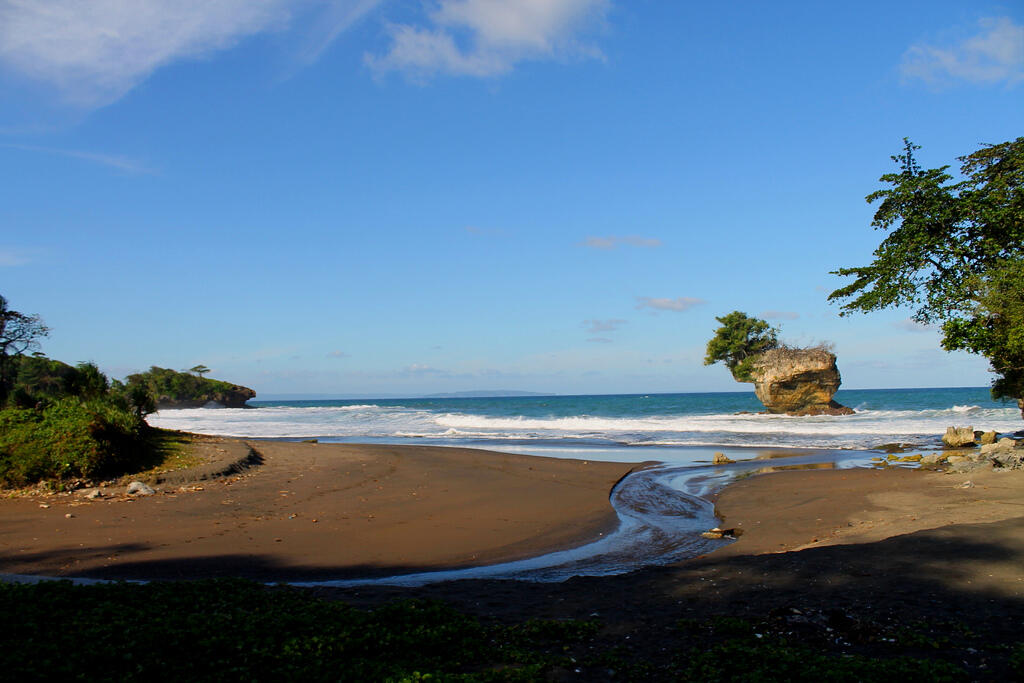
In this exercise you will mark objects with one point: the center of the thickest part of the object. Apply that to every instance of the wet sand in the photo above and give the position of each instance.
(314, 511)
(793, 510)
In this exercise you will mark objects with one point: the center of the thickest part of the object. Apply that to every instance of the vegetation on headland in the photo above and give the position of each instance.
(738, 343)
(241, 630)
(170, 388)
(954, 253)
(61, 423)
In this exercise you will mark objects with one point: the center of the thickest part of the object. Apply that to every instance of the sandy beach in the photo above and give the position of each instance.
(310, 511)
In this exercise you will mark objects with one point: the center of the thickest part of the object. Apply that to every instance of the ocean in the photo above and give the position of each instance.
(635, 426)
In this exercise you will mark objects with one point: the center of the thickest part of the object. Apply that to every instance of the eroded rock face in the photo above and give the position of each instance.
(959, 437)
(798, 382)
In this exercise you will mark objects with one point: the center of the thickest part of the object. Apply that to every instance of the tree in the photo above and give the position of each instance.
(952, 254)
(996, 327)
(738, 341)
(199, 370)
(18, 333)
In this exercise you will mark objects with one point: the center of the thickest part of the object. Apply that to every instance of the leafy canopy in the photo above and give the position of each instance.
(738, 342)
(18, 333)
(953, 254)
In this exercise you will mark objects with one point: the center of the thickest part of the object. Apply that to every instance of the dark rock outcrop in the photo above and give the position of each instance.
(798, 382)
(233, 396)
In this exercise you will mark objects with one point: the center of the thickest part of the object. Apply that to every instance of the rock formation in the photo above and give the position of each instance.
(798, 381)
(227, 396)
(959, 437)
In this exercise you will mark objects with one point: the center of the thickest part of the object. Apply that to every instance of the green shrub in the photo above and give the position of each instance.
(68, 438)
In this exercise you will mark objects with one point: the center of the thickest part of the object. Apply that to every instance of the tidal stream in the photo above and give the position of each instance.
(662, 510)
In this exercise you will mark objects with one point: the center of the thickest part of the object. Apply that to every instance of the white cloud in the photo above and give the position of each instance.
(420, 369)
(121, 163)
(994, 55)
(911, 325)
(780, 315)
(337, 354)
(679, 304)
(600, 340)
(489, 37)
(95, 51)
(613, 241)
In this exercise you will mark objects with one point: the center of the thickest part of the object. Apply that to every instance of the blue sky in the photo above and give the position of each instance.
(361, 197)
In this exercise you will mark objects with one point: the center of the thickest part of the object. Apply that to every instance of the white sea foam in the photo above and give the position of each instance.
(375, 422)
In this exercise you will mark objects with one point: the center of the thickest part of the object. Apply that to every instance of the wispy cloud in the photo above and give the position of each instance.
(911, 325)
(679, 304)
(14, 256)
(121, 163)
(599, 340)
(993, 55)
(597, 326)
(613, 241)
(421, 370)
(94, 52)
(489, 37)
(338, 354)
(780, 315)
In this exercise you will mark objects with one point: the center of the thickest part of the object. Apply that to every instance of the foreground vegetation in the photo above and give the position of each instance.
(239, 630)
(62, 423)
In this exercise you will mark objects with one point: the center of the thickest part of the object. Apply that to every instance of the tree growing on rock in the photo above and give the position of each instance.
(738, 341)
(796, 381)
(954, 253)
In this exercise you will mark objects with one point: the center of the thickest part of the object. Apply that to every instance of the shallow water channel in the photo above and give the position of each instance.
(662, 511)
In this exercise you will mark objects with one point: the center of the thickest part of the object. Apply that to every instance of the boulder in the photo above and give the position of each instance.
(932, 459)
(137, 488)
(721, 459)
(798, 381)
(959, 437)
(988, 437)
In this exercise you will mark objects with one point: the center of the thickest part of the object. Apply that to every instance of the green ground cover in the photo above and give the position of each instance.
(240, 630)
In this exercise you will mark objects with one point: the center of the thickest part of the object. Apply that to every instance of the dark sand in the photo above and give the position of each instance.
(320, 511)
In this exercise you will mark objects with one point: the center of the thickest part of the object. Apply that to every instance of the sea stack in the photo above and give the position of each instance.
(798, 381)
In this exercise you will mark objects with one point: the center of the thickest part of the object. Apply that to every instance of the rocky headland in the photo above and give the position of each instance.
(232, 396)
(798, 381)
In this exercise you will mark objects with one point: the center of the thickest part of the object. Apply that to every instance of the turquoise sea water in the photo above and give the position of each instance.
(653, 422)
